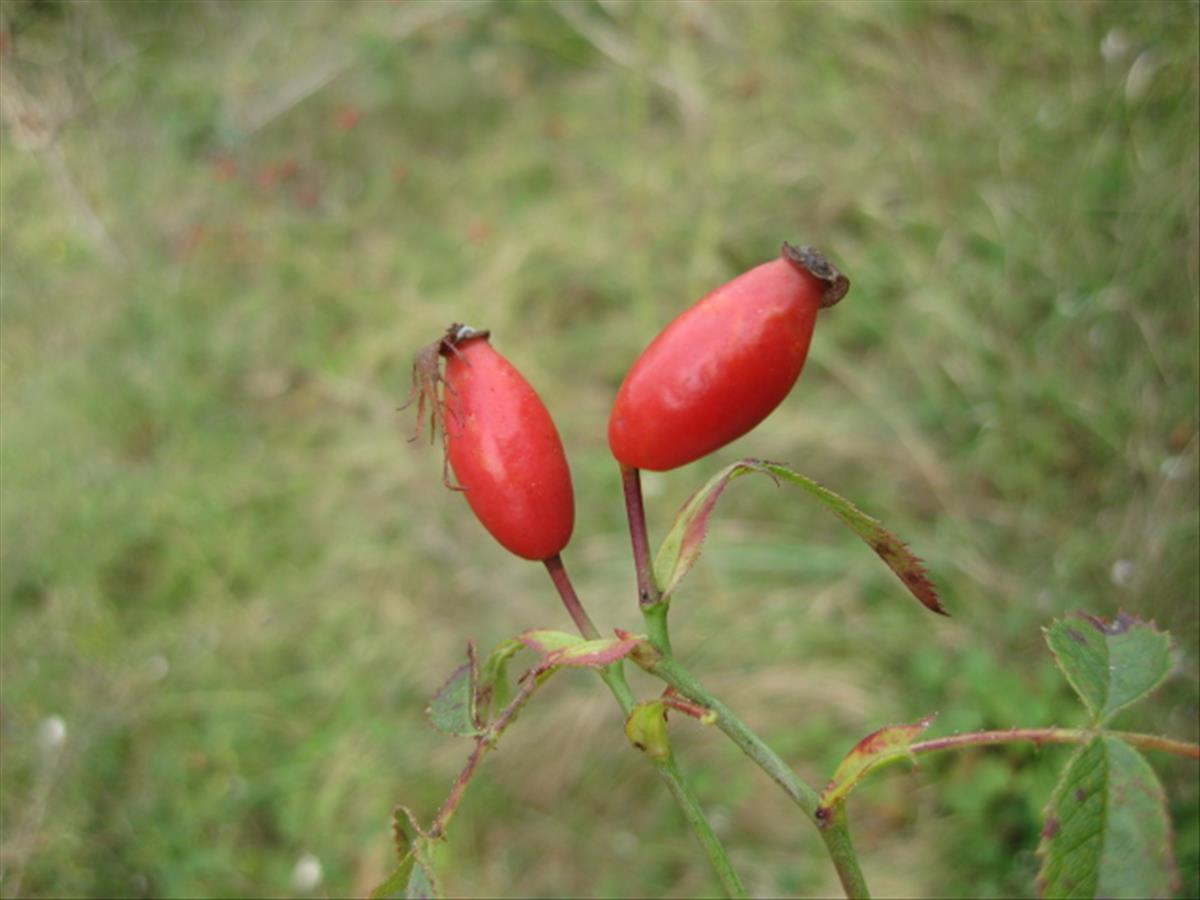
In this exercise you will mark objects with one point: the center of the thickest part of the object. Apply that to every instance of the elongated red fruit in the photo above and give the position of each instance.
(504, 449)
(723, 365)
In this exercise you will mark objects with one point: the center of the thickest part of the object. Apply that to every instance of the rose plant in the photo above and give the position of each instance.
(710, 377)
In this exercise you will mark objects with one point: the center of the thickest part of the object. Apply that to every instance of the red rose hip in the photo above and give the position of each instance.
(501, 444)
(723, 365)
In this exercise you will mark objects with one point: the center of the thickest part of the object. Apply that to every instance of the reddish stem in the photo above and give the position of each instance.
(483, 743)
(695, 710)
(566, 590)
(1054, 736)
(631, 480)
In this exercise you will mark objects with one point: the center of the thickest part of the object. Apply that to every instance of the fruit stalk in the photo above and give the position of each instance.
(635, 509)
(566, 590)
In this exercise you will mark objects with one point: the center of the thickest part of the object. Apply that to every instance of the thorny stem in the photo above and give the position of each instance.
(614, 676)
(648, 592)
(566, 590)
(1054, 736)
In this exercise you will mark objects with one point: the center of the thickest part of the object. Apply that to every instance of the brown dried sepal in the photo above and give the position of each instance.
(814, 262)
(427, 378)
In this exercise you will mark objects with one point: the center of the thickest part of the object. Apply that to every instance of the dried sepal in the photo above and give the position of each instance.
(429, 386)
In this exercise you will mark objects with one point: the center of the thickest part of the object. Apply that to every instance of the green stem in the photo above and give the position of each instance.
(669, 670)
(656, 628)
(836, 835)
(833, 829)
(654, 610)
(668, 770)
(614, 676)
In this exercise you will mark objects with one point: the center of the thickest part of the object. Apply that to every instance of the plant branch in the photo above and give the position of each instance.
(836, 835)
(833, 829)
(668, 770)
(657, 631)
(689, 805)
(614, 676)
(483, 743)
(669, 670)
(1054, 736)
(648, 592)
(566, 590)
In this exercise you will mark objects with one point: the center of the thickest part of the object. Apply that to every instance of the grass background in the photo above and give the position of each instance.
(229, 585)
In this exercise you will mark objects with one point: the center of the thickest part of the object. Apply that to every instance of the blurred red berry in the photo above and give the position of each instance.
(346, 117)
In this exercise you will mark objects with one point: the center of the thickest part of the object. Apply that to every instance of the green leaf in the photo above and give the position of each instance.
(558, 648)
(681, 548)
(875, 750)
(893, 551)
(646, 728)
(544, 640)
(413, 876)
(492, 693)
(413, 879)
(1107, 832)
(405, 831)
(1109, 664)
(453, 709)
(394, 885)
(593, 654)
(422, 884)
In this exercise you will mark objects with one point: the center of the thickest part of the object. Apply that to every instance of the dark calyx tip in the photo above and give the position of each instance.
(459, 333)
(813, 261)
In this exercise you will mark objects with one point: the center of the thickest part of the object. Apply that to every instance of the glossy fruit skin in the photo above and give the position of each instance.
(506, 453)
(722, 365)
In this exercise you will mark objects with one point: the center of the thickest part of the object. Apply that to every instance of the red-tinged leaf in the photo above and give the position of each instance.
(544, 640)
(405, 831)
(683, 543)
(452, 709)
(592, 654)
(681, 547)
(893, 551)
(877, 749)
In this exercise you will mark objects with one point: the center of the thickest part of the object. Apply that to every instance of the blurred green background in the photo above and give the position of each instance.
(230, 585)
